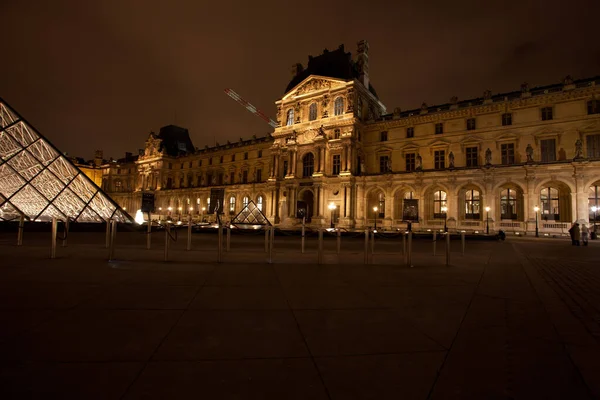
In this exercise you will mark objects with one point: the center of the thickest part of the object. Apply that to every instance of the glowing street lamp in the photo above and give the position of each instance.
(375, 212)
(331, 208)
(444, 210)
(487, 220)
(536, 209)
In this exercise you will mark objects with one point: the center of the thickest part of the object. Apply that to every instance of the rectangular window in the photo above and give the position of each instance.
(285, 167)
(199, 163)
(210, 161)
(208, 179)
(181, 165)
(337, 163)
(231, 178)
(245, 176)
(593, 107)
(383, 136)
(507, 151)
(472, 160)
(245, 156)
(221, 160)
(471, 124)
(259, 175)
(439, 128)
(410, 161)
(220, 179)
(336, 134)
(593, 146)
(439, 159)
(548, 147)
(260, 154)
(199, 180)
(190, 164)
(233, 157)
(410, 132)
(383, 163)
(506, 119)
(546, 113)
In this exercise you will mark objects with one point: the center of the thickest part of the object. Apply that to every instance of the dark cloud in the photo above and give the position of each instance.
(94, 75)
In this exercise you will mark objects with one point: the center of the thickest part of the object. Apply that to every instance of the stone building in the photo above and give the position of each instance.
(338, 155)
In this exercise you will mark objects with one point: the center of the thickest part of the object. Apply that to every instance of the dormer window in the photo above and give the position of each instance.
(336, 134)
(290, 117)
(312, 112)
(338, 106)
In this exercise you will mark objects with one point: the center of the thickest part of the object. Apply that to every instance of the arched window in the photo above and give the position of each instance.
(338, 106)
(439, 201)
(381, 205)
(549, 204)
(508, 204)
(408, 195)
(312, 112)
(290, 117)
(245, 201)
(259, 203)
(231, 205)
(308, 165)
(594, 201)
(472, 204)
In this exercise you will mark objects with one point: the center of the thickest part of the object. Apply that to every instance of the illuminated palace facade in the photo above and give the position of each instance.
(337, 154)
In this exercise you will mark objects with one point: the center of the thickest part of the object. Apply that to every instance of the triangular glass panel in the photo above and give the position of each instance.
(250, 217)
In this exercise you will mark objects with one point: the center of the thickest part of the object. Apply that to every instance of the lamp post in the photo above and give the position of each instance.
(487, 220)
(594, 209)
(444, 210)
(536, 209)
(170, 209)
(375, 212)
(331, 207)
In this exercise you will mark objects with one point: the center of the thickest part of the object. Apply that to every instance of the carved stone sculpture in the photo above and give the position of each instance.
(488, 157)
(578, 149)
(487, 94)
(388, 165)
(451, 160)
(418, 162)
(529, 151)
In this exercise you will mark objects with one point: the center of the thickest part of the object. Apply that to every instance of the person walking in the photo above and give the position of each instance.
(572, 233)
(576, 234)
(585, 232)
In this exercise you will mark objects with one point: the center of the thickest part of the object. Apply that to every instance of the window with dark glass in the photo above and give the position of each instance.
(439, 159)
(383, 136)
(508, 204)
(199, 180)
(546, 113)
(312, 112)
(208, 179)
(220, 179)
(245, 156)
(308, 165)
(190, 164)
(285, 167)
(471, 124)
(337, 164)
(383, 162)
(290, 117)
(472, 205)
(593, 146)
(233, 157)
(199, 163)
(259, 175)
(548, 148)
(245, 176)
(410, 132)
(260, 154)
(410, 161)
(210, 161)
(549, 199)
(593, 107)
(439, 201)
(507, 151)
(232, 177)
(221, 160)
(472, 159)
(506, 119)
(439, 128)
(338, 106)
(336, 134)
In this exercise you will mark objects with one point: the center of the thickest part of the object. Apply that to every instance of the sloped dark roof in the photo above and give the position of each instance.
(175, 140)
(332, 64)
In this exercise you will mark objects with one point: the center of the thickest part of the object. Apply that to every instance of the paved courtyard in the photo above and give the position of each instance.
(518, 319)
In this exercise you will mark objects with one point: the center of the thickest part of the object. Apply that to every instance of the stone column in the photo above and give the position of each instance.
(294, 165)
(276, 166)
(349, 158)
(581, 200)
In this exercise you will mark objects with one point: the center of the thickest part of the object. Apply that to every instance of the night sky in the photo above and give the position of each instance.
(101, 75)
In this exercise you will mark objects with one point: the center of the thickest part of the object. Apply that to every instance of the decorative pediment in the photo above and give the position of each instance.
(507, 137)
(547, 134)
(383, 149)
(313, 84)
(471, 141)
(409, 147)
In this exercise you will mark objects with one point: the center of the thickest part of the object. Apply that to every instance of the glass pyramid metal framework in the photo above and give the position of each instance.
(39, 183)
(250, 217)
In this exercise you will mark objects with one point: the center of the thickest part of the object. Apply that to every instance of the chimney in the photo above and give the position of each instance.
(362, 62)
(98, 157)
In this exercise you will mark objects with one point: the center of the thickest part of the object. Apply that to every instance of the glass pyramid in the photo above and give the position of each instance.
(37, 181)
(250, 218)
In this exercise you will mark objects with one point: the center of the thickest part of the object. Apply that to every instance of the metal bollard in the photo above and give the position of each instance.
(64, 241)
(228, 238)
(409, 253)
(303, 225)
(54, 229)
(189, 236)
(320, 247)
(149, 233)
(113, 234)
(220, 244)
(20, 233)
(339, 240)
(462, 239)
(447, 248)
(107, 233)
(434, 241)
(167, 240)
(366, 246)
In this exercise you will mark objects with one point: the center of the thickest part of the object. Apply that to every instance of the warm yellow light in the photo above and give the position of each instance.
(203, 208)
(180, 208)
(331, 206)
(487, 209)
(375, 209)
(159, 208)
(444, 209)
(594, 209)
(536, 209)
(191, 208)
(170, 208)
(139, 217)
(124, 208)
